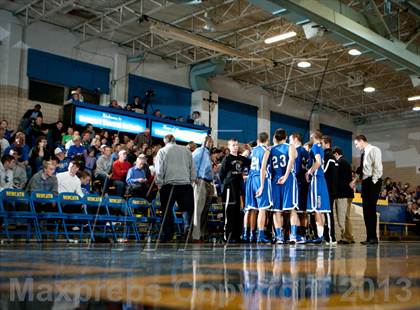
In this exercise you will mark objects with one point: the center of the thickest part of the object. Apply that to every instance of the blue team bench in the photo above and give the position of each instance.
(395, 218)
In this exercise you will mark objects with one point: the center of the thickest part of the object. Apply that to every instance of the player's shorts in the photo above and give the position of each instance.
(285, 196)
(252, 186)
(303, 187)
(318, 198)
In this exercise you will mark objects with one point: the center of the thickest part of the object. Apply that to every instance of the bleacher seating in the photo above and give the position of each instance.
(43, 216)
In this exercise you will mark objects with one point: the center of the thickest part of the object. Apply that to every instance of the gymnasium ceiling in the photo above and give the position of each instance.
(242, 26)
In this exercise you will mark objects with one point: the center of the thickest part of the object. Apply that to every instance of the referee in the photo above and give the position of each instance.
(370, 171)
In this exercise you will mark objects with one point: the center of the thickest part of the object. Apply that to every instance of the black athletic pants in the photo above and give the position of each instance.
(370, 194)
(231, 199)
(183, 195)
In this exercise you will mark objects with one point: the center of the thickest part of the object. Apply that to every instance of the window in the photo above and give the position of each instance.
(44, 92)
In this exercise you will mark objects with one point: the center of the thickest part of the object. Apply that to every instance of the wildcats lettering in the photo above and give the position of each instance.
(15, 194)
(47, 196)
(65, 197)
(94, 199)
(115, 200)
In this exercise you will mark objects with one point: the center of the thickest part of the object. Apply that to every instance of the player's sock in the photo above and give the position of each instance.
(261, 234)
(245, 233)
(302, 231)
(320, 230)
(279, 233)
(252, 235)
(293, 231)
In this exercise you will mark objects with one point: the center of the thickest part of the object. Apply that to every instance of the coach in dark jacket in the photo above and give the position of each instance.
(330, 172)
(344, 197)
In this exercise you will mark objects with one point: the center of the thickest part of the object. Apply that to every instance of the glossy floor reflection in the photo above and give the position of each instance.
(210, 277)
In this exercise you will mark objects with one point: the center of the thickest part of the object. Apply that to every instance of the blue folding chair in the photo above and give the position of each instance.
(101, 219)
(142, 211)
(49, 214)
(178, 221)
(72, 205)
(117, 206)
(17, 210)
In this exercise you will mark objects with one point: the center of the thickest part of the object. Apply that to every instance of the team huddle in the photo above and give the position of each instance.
(285, 179)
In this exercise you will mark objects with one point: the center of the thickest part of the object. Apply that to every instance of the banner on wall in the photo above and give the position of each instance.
(182, 134)
(112, 121)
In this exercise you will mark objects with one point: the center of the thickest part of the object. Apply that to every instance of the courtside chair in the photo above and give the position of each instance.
(49, 214)
(18, 211)
(101, 219)
(142, 211)
(73, 206)
(117, 207)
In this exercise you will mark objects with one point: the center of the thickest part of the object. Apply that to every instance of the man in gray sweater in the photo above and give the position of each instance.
(104, 167)
(44, 180)
(175, 173)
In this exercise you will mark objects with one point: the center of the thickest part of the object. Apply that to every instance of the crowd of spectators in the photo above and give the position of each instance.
(62, 158)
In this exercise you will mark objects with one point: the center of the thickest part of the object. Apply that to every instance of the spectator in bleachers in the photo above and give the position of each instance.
(129, 108)
(44, 180)
(90, 130)
(38, 154)
(62, 161)
(6, 171)
(115, 150)
(143, 138)
(86, 139)
(70, 143)
(195, 116)
(79, 93)
(85, 180)
(68, 182)
(90, 159)
(138, 178)
(157, 113)
(4, 144)
(19, 171)
(68, 136)
(77, 149)
(131, 152)
(137, 104)
(20, 144)
(56, 134)
(74, 98)
(7, 133)
(104, 166)
(35, 130)
(114, 104)
(120, 168)
(29, 116)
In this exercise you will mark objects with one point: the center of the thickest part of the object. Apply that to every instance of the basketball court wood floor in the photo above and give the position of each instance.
(210, 277)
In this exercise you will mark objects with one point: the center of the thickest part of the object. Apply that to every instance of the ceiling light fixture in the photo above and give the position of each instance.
(280, 37)
(355, 52)
(416, 107)
(413, 98)
(304, 64)
(369, 89)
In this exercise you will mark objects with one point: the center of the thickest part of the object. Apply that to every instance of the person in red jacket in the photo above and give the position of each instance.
(119, 172)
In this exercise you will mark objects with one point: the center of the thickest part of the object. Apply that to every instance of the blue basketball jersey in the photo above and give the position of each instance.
(301, 160)
(257, 157)
(279, 157)
(317, 149)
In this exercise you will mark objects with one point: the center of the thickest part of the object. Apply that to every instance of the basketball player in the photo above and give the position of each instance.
(258, 188)
(301, 164)
(284, 185)
(318, 199)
